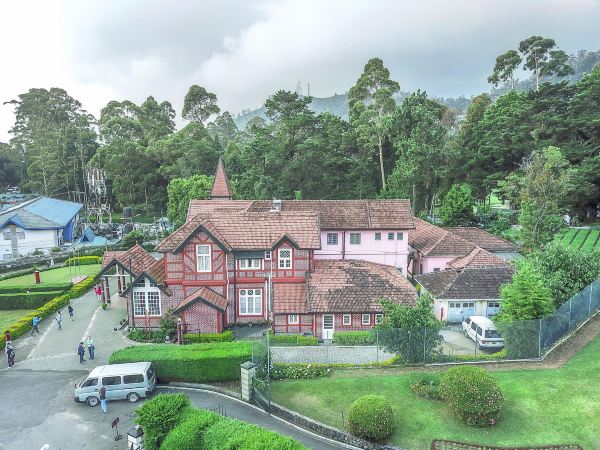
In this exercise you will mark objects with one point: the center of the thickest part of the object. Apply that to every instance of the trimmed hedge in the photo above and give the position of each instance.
(42, 287)
(159, 416)
(195, 363)
(27, 300)
(371, 417)
(188, 434)
(292, 339)
(83, 260)
(473, 395)
(226, 336)
(299, 371)
(354, 337)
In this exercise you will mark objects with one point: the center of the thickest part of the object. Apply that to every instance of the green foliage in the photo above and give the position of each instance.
(181, 190)
(25, 300)
(199, 104)
(197, 338)
(457, 208)
(196, 363)
(159, 416)
(371, 417)
(354, 337)
(425, 385)
(168, 324)
(189, 433)
(295, 339)
(141, 335)
(307, 340)
(473, 395)
(42, 287)
(83, 260)
(505, 67)
(298, 371)
(411, 331)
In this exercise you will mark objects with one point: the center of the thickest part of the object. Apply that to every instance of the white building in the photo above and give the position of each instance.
(39, 224)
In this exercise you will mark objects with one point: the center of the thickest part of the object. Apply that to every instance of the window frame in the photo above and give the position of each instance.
(282, 260)
(390, 236)
(243, 295)
(362, 319)
(209, 256)
(344, 320)
(142, 296)
(378, 318)
(400, 236)
(378, 236)
(268, 255)
(250, 267)
(331, 237)
(295, 322)
(126, 378)
(353, 237)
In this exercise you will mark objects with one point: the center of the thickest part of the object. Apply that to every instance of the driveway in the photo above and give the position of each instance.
(329, 354)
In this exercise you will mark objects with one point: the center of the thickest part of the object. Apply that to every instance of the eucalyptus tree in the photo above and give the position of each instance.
(199, 104)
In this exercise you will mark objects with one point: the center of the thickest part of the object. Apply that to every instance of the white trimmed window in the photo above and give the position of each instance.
(347, 319)
(293, 319)
(203, 258)
(250, 302)
(390, 236)
(377, 236)
(146, 296)
(378, 319)
(285, 258)
(249, 263)
(268, 255)
(332, 239)
(400, 235)
(355, 238)
(366, 319)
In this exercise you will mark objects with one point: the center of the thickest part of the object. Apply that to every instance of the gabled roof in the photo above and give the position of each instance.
(478, 258)
(40, 213)
(356, 286)
(156, 274)
(472, 283)
(234, 230)
(220, 187)
(289, 298)
(135, 260)
(204, 295)
(483, 239)
(431, 240)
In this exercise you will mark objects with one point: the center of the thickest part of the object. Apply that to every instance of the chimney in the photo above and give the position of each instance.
(276, 207)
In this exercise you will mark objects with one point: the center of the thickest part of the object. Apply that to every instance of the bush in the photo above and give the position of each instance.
(307, 340)
(292, 339)
(473, 395)
(226, 336)
(159, 416)
(31, 300)
(42, 287)
(196, 363)
(141, 335)
(229, 434)
(354, 337)
(371, 417)
(425, 385)
(83, 260)
(298, 371)
(188, 434)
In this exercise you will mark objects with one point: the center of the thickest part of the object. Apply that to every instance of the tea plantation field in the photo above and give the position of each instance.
(580, 239)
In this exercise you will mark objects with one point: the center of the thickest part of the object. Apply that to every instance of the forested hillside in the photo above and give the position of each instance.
(414, 149)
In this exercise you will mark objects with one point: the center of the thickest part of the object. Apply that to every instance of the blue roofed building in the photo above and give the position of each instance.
(39, 224)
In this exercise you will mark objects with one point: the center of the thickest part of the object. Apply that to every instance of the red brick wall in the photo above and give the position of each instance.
(281, 325)
(338, 320)
(183, 266)
(201, 318)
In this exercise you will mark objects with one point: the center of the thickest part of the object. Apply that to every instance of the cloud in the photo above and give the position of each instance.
(244, 51)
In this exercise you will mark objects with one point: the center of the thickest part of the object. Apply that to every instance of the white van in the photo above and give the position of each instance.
(482, 331)
(121, 381)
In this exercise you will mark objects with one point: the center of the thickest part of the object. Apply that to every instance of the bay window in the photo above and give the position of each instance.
(250, 302)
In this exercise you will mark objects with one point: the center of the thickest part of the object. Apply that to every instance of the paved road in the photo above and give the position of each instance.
(329, 354)
(36, 396)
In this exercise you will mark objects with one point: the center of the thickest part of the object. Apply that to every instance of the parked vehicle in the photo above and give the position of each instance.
(482, 331)
(122, 381)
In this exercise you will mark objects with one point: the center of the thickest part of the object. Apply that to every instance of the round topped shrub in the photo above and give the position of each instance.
(473, 395)
(371, 417)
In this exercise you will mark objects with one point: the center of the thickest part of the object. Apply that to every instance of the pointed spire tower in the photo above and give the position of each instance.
(221, 190)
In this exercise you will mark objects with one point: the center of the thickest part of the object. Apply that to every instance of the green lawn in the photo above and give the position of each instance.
(580, 239)
(543, 407)
(60, 275)
(8, 317)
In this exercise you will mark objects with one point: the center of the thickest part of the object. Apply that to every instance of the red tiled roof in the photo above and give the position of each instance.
(157, 271)
(250, 231)
(356, 286)
(221, 187)
(478, 258)
(350, 214)
(431, 240)
(136, 258)
(210, 206)
(483, 239)
(289, 298)
(207, 295)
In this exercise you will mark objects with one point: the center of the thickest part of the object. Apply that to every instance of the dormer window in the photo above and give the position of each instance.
(249, 263)
(203, 258)
(285, 258)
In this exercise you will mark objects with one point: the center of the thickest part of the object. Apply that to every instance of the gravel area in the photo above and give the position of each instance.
(329, 354)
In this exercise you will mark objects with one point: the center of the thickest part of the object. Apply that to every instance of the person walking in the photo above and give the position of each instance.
(34, 324)
(10, 354)
(58, 318)
(70, 309)
(98, 291)
(102, 394)
(7, 337)
(90, 345)
(81, 353)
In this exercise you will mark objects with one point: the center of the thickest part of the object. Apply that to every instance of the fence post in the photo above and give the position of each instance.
(570, 302)
(539, 338)
(377, 344)
(590, 302)
(424, 343)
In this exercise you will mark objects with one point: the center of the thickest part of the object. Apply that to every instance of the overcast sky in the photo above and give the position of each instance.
(244, 50)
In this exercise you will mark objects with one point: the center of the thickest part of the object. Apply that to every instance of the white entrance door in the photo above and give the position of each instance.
(328, 326)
